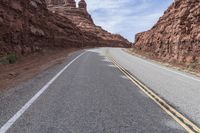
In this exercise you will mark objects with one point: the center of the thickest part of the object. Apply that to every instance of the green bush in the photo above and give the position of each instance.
(11, 58)
(8, 59)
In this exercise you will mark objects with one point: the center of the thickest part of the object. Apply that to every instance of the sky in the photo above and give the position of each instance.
(127, 17)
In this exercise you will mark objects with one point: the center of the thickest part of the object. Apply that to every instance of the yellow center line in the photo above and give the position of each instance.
(178, 117)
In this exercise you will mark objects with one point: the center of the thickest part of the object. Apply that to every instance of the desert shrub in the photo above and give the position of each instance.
(8, 59)
(192, 65)
(11, 58)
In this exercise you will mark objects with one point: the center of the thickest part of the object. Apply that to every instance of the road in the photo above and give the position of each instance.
(180, 89)
(88, 94)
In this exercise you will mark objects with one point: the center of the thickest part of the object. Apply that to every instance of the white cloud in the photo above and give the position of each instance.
(126, 17)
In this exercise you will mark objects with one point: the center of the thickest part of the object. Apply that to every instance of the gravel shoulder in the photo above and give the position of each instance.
(193, 69)
(27, 67)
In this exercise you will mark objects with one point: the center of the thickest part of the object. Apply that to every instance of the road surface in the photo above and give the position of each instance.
(86, 94)
(182, 90)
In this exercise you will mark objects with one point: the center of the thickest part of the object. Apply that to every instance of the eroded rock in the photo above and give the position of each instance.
(175, 37)
(83, 20)
(27, 26)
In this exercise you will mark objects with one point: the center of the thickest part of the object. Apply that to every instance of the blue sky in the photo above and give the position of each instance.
(127, 17)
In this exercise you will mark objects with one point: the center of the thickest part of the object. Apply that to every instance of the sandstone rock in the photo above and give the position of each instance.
(82, 19)
(1, 20)
(82, 4)
(176, 35)
(70, 3)
(34, 4)
(56, 2)
(12, 74)
(16, 6)
(27, 25)
(36, 31)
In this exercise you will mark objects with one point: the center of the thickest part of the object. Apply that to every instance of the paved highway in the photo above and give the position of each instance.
(181, 90)
(88, 94)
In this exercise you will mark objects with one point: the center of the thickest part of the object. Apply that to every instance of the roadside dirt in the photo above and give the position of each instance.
(175, 65)
(27, 67)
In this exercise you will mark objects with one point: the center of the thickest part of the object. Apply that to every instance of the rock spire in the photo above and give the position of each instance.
(82, 5)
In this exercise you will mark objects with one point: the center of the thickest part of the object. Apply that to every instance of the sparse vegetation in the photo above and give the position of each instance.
(192, 66)
(8, 59)
(12, 58)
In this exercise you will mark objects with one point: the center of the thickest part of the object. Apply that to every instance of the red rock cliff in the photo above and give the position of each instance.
(27, 26)
(176, 36)
(80, 17)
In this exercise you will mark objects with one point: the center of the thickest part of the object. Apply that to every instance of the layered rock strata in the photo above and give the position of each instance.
(27, 26)
(82, 19)
(176, 36)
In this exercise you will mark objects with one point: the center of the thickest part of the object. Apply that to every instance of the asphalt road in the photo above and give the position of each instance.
(87, 94)
(181, 90)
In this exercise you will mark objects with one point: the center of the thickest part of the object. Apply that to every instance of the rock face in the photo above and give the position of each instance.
(27, 26)
(82, 19)
(176, 36)
(82, 5)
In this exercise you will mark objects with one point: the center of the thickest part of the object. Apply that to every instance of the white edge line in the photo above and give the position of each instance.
(168, 69)
(12, 120)
(175, 71)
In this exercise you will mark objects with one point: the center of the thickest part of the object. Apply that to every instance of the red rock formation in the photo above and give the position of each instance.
(82, 5)
(83, 20)
(57, 2)
(27, 26)
(176, 36)
(70, 3)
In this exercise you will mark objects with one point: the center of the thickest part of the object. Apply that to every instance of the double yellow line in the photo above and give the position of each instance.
(183, 121)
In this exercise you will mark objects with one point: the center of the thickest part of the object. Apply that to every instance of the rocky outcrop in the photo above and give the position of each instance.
(82, 19)
(82, 5)
(176, 36)
(27, 26)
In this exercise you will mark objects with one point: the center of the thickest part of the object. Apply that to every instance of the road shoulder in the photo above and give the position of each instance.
(30, 66)
(176, 66)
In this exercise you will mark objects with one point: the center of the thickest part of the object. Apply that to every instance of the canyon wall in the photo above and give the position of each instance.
(27, 26)
(82, 19)
(176, 36)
